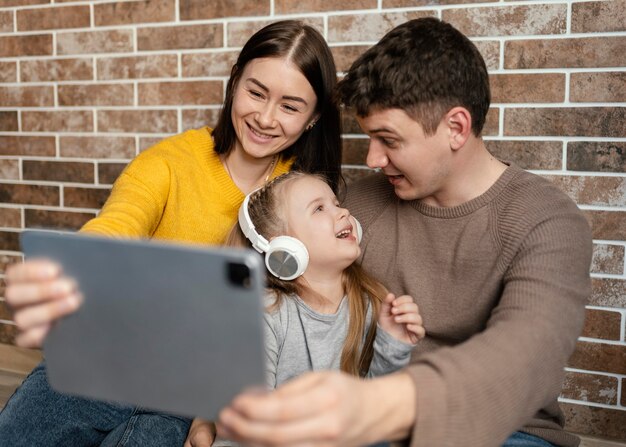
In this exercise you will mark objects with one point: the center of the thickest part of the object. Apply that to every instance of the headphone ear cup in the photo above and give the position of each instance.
(286, 258)
(359, 230)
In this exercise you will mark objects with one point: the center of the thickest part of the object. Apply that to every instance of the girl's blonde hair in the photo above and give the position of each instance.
(360, 288)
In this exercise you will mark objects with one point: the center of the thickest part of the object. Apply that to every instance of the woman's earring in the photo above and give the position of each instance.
(310, 125)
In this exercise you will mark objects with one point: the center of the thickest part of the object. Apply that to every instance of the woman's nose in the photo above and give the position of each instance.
(265, 116)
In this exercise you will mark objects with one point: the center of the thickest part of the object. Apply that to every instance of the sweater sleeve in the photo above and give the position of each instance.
(479, 392)
(390, 354)
(137, 200)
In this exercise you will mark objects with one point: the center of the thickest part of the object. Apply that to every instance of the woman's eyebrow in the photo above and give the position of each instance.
(265, 89)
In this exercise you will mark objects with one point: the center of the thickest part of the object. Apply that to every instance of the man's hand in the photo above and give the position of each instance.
(327, 408)
(201, 434)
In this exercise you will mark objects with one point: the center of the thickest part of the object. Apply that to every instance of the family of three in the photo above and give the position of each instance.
(454, 326)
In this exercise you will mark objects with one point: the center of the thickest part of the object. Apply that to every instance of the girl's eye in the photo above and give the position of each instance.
(319, 208)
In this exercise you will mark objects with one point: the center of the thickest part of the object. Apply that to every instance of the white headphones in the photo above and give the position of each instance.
(285, 257)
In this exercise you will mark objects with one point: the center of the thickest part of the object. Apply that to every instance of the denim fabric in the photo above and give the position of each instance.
(38, 415)
(519, 439)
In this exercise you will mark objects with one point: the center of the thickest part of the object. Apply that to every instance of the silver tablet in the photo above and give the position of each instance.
(164, 326)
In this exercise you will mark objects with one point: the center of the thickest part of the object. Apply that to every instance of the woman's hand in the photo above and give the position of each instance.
(401, 319)
(38, 294)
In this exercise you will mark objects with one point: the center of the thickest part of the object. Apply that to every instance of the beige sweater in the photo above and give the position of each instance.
(501, 282)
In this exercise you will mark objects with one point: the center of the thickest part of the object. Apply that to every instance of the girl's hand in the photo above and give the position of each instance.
(201, 434)
(39, 295)
(400, 317)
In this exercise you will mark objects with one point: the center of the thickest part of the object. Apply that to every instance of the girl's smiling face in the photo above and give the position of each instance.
(313, 215)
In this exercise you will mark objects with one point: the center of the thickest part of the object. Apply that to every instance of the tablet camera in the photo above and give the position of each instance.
(239, 274)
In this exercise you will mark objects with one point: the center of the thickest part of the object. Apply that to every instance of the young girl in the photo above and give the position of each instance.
(323, 310)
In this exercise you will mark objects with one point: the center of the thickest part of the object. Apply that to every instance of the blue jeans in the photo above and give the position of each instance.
(38, 415)
(520, 439)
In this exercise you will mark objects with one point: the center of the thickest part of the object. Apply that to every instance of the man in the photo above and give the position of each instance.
(497, 259)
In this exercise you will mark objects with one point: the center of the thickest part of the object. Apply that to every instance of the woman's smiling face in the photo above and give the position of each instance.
(272, 104)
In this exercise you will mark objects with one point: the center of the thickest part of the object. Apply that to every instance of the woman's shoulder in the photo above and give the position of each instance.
(190, 141)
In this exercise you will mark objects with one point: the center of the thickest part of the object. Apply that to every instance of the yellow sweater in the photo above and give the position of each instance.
(177, 190)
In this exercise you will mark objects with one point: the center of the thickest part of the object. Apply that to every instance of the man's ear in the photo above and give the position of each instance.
(459, 122)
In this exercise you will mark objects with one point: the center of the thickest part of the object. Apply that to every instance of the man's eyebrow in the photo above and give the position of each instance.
(265, 89)
(381, 129)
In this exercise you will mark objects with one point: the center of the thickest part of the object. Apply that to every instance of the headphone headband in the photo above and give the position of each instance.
(259, 243)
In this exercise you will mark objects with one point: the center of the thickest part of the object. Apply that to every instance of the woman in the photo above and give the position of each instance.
(279, 113)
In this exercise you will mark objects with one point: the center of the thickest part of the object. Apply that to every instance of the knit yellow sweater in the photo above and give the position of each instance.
(177, 190)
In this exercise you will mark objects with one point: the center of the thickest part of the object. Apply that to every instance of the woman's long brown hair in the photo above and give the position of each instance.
(360, 288)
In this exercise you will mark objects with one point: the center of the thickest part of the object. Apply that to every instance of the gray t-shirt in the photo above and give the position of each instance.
(299, 339)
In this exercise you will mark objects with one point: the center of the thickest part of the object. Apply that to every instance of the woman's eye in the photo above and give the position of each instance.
(255, 94)
(290, 108)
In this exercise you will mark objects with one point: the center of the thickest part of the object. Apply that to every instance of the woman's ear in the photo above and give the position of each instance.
(459, 122)
(312, 122)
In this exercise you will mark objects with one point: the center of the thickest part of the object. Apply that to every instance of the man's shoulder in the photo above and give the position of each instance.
(368, 193)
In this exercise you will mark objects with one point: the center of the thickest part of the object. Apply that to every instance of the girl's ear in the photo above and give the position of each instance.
(459, 122)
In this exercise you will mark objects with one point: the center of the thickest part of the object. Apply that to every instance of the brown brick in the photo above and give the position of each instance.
(355, 151)
(606, 423)
(8, 121)
(201, 9)
(10, 217)
(53, 18)
(31, 45)
(5, 3)
(58, 220)
(601, 17)
(7, 260)
(56, 70)
(29, 194)
(9, 169)
(144, 121)
(5, 313)
(345, 55)
(509, 20)
(8, 71)
(490, 51)
(590, 388)
(122, 13)
(27, 145)
(608, 292)
(598, 87)
(6, 21)
(608, 259)
(161, 66)
(588, 190)
(351, 175)
(607, 225)
(240, 32)
(40, 96)
(180, 37)
(297, 6)
(209, 64)
(492, 123)
(196, 118)
(9, 241)
(550, 121)
(58, 121)
(96, 95)
(109, 172)
(407, 3)
(605, 325)
(349, 123)
(148, 142)
(596, 156)
(8, 332)
(508, 88)
(97, 147)
(85, 197)
(591, 52)
(545, 155)
(180, 93)
(112, 41)
(368, 27)
(599, 357)
(58, 171)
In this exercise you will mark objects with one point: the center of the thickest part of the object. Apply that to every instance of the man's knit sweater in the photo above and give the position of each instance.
(177, 190)
(501, 282)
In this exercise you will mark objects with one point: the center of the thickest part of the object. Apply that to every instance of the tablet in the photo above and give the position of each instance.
(164, 326)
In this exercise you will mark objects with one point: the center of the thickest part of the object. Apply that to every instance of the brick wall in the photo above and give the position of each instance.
(86, 85)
